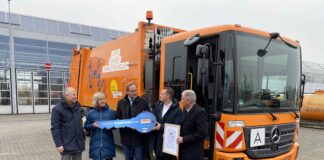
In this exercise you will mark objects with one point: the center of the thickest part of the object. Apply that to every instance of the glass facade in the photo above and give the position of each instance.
(37, 41)
(24, 91)
(5, 92)
(40, 91)
(4, 51)
(33, 93)
(33, 53)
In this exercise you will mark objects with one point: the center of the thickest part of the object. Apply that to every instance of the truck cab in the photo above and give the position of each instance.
(249, 81)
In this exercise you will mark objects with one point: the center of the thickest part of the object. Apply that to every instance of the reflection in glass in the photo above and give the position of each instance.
(30, 42)
(58, 45)
(55, 101)
(4, 39)
(272, 81)
(56, 95)
(56, 80)
(57, 87)
(25, 101)
(41, 101)
(24, 94)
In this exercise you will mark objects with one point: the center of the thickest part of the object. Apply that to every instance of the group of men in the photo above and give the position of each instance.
(68, 133)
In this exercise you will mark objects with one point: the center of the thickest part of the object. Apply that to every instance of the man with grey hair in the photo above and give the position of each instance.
(66, 126)
(194, 128)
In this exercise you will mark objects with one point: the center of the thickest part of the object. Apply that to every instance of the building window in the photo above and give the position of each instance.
(40, 25)
(96, 33)
(64, 28)
(85, 30)
(4, 87)
(75, 28)
(26, 23)
(52, 27)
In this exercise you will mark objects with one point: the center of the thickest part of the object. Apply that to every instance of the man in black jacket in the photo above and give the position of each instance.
(128, 107)
(194, 128)
(66, 126)
(167, 110)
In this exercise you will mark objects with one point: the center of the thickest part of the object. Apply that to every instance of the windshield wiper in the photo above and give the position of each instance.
(296, 115)
(274, 118)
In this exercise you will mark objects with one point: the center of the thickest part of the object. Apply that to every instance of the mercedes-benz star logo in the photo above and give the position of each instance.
(275, 135)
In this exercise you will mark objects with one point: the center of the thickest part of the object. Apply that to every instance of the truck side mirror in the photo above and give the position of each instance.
(202, 51)
(192, 40)
(202, 71)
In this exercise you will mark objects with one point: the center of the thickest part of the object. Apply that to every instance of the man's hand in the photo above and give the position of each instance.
(60, 149)
(95, 124)
(157, 127)
(179, 140)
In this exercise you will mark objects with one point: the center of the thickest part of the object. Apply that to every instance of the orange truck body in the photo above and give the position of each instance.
(313, 106)
(108, 68)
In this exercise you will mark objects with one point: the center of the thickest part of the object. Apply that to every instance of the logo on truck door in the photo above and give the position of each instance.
(115, 63)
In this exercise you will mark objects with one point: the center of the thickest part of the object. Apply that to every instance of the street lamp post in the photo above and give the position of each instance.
(12, 66)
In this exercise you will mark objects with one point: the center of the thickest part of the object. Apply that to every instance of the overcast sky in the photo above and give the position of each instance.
(302, 20)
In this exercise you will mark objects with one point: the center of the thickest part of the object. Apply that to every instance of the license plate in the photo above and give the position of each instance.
(257, 137)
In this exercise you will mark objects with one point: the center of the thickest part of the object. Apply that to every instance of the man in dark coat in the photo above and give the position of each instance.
(166, 110)
(194, 128)
(128, 107)
(66, 126)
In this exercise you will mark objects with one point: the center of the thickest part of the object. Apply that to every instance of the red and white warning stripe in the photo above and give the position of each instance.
(234, 139)
(220, 135)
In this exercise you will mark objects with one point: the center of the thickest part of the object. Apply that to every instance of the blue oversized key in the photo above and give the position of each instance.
(143, 122)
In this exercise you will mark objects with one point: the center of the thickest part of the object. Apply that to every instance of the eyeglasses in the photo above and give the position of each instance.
(132, 91)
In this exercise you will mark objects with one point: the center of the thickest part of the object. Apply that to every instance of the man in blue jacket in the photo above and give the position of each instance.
(66, 126)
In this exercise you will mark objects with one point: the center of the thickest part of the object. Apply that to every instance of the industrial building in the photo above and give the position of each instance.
(42, 50)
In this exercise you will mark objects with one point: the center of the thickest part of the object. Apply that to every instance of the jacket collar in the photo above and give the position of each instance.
(127, 99)
(104, 108)
(194, 107)
(174, 104)
(65, 104)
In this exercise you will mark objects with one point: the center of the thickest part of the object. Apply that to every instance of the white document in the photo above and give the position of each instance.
(257, 137)
(171, 133)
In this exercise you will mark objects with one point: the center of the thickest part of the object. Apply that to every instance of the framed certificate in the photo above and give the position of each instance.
(171, 133)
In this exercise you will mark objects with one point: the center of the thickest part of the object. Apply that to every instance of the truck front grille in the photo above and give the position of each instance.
(271, 149)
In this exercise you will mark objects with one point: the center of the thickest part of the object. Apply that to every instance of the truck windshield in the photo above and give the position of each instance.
(271, 82)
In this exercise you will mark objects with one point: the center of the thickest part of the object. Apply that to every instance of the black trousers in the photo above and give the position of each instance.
(166, 157)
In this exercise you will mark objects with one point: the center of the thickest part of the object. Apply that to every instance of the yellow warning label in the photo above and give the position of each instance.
(114, 89)
(113, 86)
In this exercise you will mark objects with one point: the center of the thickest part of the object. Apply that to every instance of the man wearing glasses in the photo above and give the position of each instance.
(128, 107)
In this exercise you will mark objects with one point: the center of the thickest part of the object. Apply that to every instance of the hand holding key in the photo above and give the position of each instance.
(143, 122)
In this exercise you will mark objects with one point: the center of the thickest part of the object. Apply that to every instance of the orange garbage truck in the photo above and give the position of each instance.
(249, 81)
